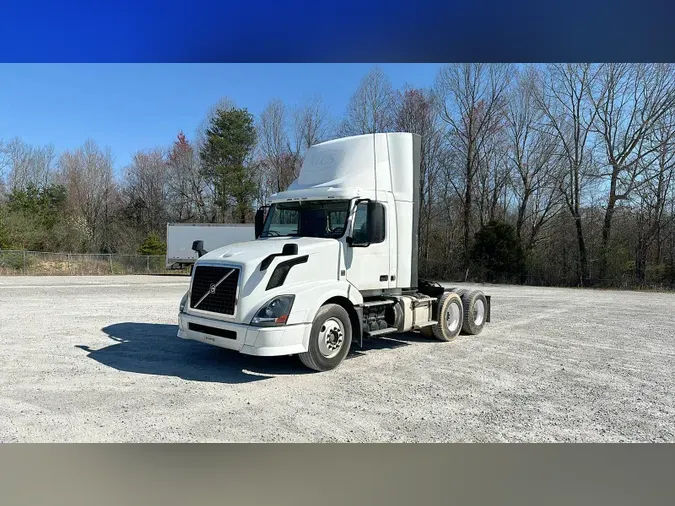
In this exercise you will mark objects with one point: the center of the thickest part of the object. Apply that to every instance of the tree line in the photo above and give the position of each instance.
(556, 174)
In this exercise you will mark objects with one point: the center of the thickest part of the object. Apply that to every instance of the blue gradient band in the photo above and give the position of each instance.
(346, 31)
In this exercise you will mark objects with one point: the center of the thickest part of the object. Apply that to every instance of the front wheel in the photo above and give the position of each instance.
(329, 339)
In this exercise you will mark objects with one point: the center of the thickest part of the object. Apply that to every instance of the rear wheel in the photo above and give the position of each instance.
(427, 332)
(329, 339)
(450, 316)
(475, 311)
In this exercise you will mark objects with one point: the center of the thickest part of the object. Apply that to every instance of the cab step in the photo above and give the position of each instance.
(381, 332)
(426, 324)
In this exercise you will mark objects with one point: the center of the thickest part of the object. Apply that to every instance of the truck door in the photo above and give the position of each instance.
(367, 257)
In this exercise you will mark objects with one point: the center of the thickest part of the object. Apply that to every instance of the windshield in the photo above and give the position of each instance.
(309, 218)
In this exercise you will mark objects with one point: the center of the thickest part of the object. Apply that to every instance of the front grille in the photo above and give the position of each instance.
(210, 292)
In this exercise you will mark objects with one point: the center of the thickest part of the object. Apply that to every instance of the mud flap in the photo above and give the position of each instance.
(487, 316)
(357, 337)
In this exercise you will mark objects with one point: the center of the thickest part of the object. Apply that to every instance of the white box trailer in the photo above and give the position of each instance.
(181, 236)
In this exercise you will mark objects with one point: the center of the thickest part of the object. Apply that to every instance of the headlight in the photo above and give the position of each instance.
(183, 301)
(275, 312)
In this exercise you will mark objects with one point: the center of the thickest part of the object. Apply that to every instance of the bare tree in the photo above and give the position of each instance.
(146, 188)
(3, 162)
(281, 161)
(652, 194)
(371, 108)
(564, 95)
(473, 103)
(630, 100)
(264, 181)
(87, 173)
(312, 124)
(26, 165)
(492, 178)
(284, 138)
(417, 113)
(189, 194)
(669, 236)
(532, 151)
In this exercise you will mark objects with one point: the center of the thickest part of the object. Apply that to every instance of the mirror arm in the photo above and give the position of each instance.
(350, 242)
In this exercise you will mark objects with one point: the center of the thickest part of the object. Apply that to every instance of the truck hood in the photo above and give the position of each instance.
(319, 263)
(321, 266)
(252, 253)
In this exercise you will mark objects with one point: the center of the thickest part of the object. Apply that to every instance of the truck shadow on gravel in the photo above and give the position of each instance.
(152, 348)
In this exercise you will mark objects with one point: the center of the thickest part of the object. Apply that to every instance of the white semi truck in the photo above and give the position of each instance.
(334, 262)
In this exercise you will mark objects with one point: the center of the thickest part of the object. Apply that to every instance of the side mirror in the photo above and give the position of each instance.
(198, 246)
(376, 223)
(352, 243)
(259, 221)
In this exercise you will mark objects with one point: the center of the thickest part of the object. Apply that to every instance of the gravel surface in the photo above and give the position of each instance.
(96, 359)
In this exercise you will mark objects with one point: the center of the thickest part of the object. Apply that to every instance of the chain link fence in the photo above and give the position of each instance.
(39, 263)
(660, 277)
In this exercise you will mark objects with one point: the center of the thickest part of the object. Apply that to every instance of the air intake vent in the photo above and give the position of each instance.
(278, 277)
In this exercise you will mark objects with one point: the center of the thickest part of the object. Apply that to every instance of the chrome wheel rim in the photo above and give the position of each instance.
(331, 337)
(479, 312)
(452, 317)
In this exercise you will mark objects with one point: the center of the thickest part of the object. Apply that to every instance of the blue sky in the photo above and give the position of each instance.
(132, 106)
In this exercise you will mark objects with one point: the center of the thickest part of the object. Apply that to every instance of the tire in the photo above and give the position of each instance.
(427, 332)
(331, 324)
(450, 317)
(475, 311)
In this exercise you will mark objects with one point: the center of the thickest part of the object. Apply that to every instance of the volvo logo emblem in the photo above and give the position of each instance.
(212, 288)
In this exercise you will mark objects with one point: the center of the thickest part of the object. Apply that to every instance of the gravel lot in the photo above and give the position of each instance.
(96, 359)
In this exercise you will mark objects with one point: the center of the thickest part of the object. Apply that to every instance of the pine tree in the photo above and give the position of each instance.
(153, 245)
(230, 140)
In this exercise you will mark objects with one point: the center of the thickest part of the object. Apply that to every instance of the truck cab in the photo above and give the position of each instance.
(334, 261)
